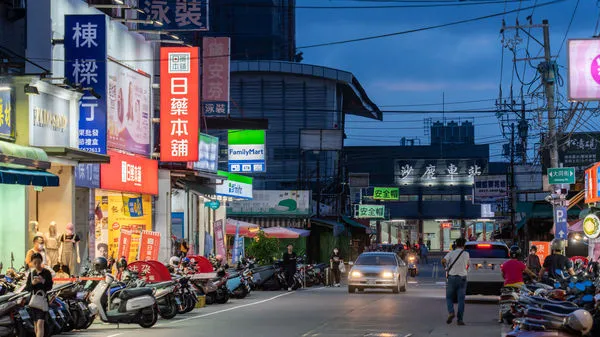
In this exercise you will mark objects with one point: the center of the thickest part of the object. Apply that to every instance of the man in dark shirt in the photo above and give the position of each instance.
(555, 262)
(289, 263)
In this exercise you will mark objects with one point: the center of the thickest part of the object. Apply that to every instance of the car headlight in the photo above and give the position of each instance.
(387, 274)
(356, 274)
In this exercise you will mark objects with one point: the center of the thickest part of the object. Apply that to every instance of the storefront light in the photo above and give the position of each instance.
(4, 88)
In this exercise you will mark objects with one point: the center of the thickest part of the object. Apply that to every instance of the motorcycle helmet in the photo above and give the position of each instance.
(122, 263)
(580, 320)
(185, 261)
(557, 246)
(515, 252)
(174, 261)
(100, 264)
(558, 295)
(540, 292)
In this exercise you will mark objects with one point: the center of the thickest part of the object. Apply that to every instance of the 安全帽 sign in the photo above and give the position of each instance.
(370, 211)
(386, 193)
(246, 151)
(561, 175)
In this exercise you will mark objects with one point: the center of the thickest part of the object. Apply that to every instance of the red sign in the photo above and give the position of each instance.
(215, 76)
(124, 244)
(150, 271)
(591, 184)
(446, 225)
(543, 249)
(179, 96)
(129, 173)
(149, 245)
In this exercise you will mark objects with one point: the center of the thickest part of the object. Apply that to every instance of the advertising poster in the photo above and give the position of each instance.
(7, 112)
(101, 225)
(543, 249)
(149, 246)
(128, 109)
(124, 244)
(220, 238)
(120, 219)
(208, 154)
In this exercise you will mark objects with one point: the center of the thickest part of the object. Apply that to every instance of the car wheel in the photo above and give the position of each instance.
(396, 289)
(360, 290)
(351, 289)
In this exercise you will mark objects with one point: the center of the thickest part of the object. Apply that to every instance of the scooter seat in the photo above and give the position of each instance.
(559, 309)
(6, 298)
(161, 284)
(135, 292)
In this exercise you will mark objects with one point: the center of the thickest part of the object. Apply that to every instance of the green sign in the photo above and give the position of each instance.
(246, 151)
(386, 193)
(215, 204)
(561, 175)
(371, 211)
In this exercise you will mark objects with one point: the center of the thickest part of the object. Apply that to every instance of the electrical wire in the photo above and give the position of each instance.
(568, 28)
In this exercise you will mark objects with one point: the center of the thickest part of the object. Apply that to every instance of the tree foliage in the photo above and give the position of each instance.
(264, 249)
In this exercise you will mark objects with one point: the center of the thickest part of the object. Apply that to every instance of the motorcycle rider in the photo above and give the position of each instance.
(121, 269)
(556, 261)
(173, 265)
(513, 269)
(186, 265)
(289, 263)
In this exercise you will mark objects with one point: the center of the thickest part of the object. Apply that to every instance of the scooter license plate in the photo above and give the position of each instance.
(52, 314)
(24, 315)
(177, 300)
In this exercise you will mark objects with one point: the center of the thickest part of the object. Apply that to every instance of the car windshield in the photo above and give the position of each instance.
(376, 260)
(484, 251)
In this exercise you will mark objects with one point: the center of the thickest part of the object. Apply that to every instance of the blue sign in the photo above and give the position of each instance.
(236, 249)
(7, 112)
(560, 221)
(175, 15)
(85, 66)
(135, 207)
(177, 224)
(87, 175)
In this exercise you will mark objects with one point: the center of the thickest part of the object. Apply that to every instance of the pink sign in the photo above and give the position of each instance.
(215, 76)
(584, 70)
(220, 238)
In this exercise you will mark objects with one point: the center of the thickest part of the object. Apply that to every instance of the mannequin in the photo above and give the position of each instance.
(34, 227)
(52, 244)
(69, 249)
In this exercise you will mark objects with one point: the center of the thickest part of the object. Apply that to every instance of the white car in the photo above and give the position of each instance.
(485, 276)
(383, 270)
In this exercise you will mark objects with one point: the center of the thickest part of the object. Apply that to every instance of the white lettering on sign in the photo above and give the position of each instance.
(474, 170)
(429, 172)
(131, 173)
(85, 35)
(85, 71)
(452, 171)
(406, 171)
(179, 147)
(179, 86)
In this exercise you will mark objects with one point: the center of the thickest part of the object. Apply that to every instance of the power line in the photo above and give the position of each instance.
(568, 27)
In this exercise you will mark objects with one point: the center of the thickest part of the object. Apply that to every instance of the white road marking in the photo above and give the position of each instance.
(115, 335)
(409, 335)
(229, 309)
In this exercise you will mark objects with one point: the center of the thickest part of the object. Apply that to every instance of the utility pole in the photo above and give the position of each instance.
(513, 191)
(547, 70)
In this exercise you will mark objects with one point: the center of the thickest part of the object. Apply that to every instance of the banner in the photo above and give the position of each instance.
(85, 66)
(219, 228)
(543, 249)
(583, 78)
(215, 76)
(488, 189)
(7, 112)
(149, 246)
(236, 248)
(179, 104)
(119, 219)
(208, 244)
(124, 245)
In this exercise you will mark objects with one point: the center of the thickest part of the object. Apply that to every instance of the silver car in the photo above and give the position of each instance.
(378, 270)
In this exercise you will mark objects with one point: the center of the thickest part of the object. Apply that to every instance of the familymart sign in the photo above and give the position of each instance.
(246, 151)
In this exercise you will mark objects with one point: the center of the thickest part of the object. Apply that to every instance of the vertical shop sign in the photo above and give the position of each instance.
(87, 175)
(124, 245)
(179, 117)
(7, 112)
(592, 193)
(149, 246)
(85, 66)
(176, 15)
(236, 249)
(220, 238)
(215, 76)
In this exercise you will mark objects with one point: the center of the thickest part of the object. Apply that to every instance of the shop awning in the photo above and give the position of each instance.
(283, 232)
(324, 223)
(246, 228)
(10, 175)
(76, 154)
(23, 155)
(356, 224)
(538, 211)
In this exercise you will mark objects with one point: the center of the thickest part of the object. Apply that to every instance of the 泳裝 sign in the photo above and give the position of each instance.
(129, 173)
(235, 186)
(291, 202)
(246, 151)
(208, 154)
(386, 193)
(370, 211)
(179, 116)
(215, 76)
(176, 15)
(561, 175)
(438, 171)
(7, 112)
(85, 66)
(489, 188)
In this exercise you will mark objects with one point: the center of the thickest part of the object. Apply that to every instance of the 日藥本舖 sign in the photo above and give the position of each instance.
(561, 175)
(246, 151)
(85, 66)
(235, 186)
(179, 104)
(215, 76)
(129, 173)
(7, 112)
(370, 211)
(386, 193)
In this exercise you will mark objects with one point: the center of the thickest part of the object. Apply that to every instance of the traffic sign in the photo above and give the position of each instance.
(560, 223)
(561, 175)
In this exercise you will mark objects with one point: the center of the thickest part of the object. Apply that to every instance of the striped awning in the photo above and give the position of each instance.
(264, 222)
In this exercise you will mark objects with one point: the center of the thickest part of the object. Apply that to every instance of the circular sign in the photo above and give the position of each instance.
(591, 226)
(116, 226)
(595, 69)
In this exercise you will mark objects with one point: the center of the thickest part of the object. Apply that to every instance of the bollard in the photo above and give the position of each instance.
(327, 276)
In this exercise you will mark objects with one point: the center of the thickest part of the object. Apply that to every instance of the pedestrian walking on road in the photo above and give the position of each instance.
(533, 261)
(424, 254)
(289, 263)
(335, 260)
(456, 264)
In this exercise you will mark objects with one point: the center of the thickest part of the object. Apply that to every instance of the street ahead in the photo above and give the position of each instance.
(327, 312)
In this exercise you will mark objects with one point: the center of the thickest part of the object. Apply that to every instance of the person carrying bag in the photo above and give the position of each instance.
(39, 282)
(456, 285)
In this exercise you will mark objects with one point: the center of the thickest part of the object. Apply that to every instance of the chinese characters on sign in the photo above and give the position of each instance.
(87, 175)
(440, 171)
(578, 151)
(7, 112)
(215, 76)
(489, 188)
(179, 104)
(149, 246)
(186, 15)
(385, 193)
(124, 244)
(220, 238)
(85, 55)
(129, 173)
(370, 211)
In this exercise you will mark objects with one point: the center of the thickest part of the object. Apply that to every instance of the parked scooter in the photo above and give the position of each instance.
(14, 318)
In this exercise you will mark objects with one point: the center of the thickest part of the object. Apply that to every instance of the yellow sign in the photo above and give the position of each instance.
(591, 226)
(6, 113)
